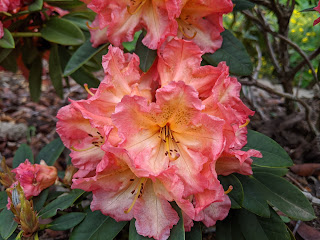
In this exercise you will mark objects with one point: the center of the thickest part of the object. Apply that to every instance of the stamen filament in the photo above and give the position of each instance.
(138, 192)
(91, 28)
(246, 124)
(229, 190)
(87, 89)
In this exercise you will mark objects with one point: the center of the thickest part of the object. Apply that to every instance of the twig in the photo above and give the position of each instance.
(296, 227)
(308, 110)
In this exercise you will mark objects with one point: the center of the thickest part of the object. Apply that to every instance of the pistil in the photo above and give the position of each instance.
(170, 143)
(134, 4)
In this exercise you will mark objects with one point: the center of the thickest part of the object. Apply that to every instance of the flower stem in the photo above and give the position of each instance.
(26, 34)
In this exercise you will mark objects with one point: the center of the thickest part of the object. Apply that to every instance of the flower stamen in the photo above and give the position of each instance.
(229, 190)
(170, 143)
(181, 28)
(140, 186)
(87, 89)
(246, 124)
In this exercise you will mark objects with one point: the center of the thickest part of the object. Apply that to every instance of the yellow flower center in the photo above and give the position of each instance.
(171, 144)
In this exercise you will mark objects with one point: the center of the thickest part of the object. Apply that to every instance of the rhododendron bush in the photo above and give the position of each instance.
(160, 147)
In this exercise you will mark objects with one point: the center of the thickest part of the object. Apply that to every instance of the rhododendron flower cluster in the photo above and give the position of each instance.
(118, 20)
(318, 10)
(33, 178)
(143, 140)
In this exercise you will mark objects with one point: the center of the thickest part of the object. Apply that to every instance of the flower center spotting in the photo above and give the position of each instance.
(184, 26)
(135, 6)
(96, 141)
(171, 145)
(138, 190)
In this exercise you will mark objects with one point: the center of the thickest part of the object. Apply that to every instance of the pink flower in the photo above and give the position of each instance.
(9, 5)
(190, 19)
(318, 10)
(159, 136)
(35, 177)
(123, 18)
(124, 193)
(201, 21)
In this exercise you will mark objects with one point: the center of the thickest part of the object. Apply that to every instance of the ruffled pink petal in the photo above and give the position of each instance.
(98, 36)
(216, 211)
(318, 10)
(159, 26)
(236, 161)
(187, 222)
(180, 60)
(154, 215)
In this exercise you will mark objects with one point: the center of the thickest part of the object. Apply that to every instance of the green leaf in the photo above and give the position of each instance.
(195, 233)
(133, 235)
(3, 199)
(62, 31)
(236, 195)
(81, 76)
(276, 171)
(146, 55)
(242, 5)
(131, 46)
(60, 203)
(36, 6)
(318, 73)
(7, 40)
(83, 54)
(24, 152)
(55, 71)
(285, 196)
(273, 155)
(40, 200)
(7, 224)
(229, 228)
(254, 227)
(233, 53)
(51, 152)
(253, 199)
(4, 52)
(65, 4)
(35, 79)
(66, 222)
(97, 226)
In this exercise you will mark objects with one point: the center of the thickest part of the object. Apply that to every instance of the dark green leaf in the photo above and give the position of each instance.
(236, 195)
(60, 203)
(285, 196)
(66, 222)
(273, 155)
(308, 9)
(36, 6)
(55, 71)
(51, 152)
(133, 235)
(229, 228)
(10, 62)
(81, 76)
(3, 199)
(254, 227)
(146, 55)
(39, 200)
(130, 46)
(7, 224)
(4, 52)
(240, 5)
(318, 73)
(7, 40)
(65, 4)
(35, 80)
(195, 233)
(97, 226)
(83, 54)
(62, 31)
(253, 199)
(233, 53)
(276, 171)
(24, 152)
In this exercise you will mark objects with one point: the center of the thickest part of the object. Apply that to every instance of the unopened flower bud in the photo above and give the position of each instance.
(70, 171)
(7, 178)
